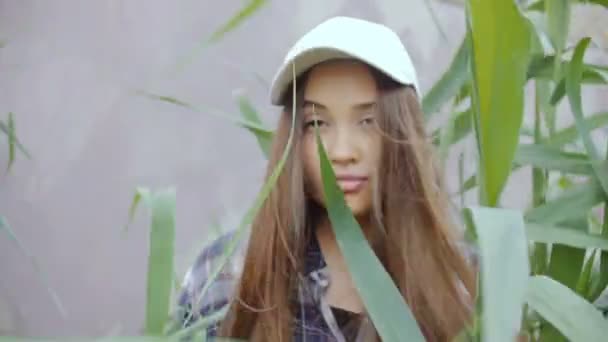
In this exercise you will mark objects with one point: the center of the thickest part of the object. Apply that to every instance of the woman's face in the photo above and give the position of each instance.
(341, 97)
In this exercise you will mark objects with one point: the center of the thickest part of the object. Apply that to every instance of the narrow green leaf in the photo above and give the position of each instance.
(43, 277)
(550, 158)
(501, 51)
(540, 4)
(250, 114)
(584, 281)
(160, 259)
(253, 210)
(565, 264)
(602, 281)
(449, 84)
(248, 124)
(11, 140)
(558, 22)
(462, 126)
(504, 269)
(574, 317)
(573, 87)
(250, 8)
(567, 236)
(589, 77)
(386, 306)
(201, 324)
(574, 202)
(139, 194)
(247, 11)
(5, 129)
(461, 177)
(447, 136)
(570, 133)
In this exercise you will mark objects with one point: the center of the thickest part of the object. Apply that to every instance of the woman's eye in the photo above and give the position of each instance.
(368, 121)
(315, 122)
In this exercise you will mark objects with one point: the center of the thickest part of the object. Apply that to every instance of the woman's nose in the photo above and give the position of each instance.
(343, 148)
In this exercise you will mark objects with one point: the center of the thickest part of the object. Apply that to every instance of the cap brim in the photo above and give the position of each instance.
(307, 59)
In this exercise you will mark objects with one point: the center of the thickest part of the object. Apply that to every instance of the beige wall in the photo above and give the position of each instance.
(69, 70)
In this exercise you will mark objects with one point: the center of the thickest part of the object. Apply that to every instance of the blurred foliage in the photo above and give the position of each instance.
(544, 267)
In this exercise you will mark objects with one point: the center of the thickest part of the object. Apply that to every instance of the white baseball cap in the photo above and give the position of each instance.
(345, 37)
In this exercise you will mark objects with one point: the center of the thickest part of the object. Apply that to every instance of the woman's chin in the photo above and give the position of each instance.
(356, 206)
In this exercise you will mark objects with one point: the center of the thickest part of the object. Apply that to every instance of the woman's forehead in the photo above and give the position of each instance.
(340, 82)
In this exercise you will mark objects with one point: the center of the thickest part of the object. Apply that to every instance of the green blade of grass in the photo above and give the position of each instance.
(244, 13)
(160, 258)
(5, 129)
(255, 127)
(52, 293)
(139, 194)
(253, 210)
(589, 77)
(573, 88)
(567, 236)
(575, 318)
(11, 140)
(553, 159)
(570, 133)
(386, 306)
(251, 115)
(584, 281)
(248, 10)
(462, 126)
(449, 84)
(501, 42)
(504, 269)
(602, 280)
(573, 202)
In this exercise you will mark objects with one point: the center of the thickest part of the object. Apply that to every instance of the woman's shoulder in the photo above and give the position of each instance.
(215, 270)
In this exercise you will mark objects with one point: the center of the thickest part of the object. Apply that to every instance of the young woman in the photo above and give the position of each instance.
(356, 83)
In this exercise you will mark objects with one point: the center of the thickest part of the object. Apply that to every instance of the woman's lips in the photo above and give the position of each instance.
(350, 183)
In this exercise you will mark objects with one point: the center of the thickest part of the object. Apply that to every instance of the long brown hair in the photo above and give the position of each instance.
(417, 246)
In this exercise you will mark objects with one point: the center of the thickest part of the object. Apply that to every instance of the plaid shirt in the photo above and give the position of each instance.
(315, 321)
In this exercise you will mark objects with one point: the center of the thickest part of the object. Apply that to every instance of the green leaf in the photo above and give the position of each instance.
(588, 77)
(255, 127)
(540, 4)
(573, 87)
(575, 318)
(264, 138)
(253, 210)
(139, 194)
(566, 236)
(550, 158)
(570, 133)
(10, 133)
(11, 140)
(449, 84)
(504, 269)
(160, 258)
(602, 280)
(43, 277)
(584, 281)
(250, 8)
(386, 306)
(462, 125)
(558, 22)
(244, 13)
(573, 202)
(501, 42)
(565, 264)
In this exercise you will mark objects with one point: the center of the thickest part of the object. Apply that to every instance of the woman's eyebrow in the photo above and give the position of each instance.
(365, 105)
(313, 104)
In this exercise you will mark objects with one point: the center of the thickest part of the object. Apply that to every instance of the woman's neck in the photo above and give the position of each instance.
(341, 293)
